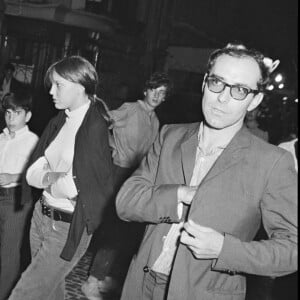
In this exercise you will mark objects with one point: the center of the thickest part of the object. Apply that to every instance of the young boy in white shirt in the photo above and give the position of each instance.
(16, 145)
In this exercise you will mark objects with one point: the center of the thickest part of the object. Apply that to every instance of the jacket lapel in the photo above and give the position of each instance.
(188, 150)
(231, 155)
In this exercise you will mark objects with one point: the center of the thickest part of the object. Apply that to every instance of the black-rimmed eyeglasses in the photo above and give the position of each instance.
(237, 92)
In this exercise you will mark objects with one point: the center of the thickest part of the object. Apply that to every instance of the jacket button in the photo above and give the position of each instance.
(146, 269)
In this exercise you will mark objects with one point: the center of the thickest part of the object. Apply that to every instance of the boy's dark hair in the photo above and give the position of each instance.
(9, 66)
(158, 79)
(19, 99)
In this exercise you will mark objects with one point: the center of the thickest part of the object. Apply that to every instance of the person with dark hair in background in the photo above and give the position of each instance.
(16, 144)
(135, 127)
(205, 189)
(72, 166)
(8, 83)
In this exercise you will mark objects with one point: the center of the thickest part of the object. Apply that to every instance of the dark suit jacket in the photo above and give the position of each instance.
(92, 172)
(251, 182)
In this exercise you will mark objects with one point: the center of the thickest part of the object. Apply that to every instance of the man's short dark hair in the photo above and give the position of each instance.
(239, 50)
(21, 98)
(159, 79)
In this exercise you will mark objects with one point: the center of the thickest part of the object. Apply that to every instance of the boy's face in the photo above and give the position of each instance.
(16, 119)
(154, 97)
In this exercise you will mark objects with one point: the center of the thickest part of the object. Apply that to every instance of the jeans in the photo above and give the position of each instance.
(14, 223)
(45, 276)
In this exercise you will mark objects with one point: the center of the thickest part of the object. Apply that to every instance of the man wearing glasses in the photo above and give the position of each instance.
(204, 190)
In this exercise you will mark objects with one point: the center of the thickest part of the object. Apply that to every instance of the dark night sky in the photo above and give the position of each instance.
(268, 25)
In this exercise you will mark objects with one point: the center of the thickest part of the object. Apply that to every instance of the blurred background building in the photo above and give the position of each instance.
(128, 39)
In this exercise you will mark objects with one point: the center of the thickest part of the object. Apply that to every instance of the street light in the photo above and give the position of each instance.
(278, 77)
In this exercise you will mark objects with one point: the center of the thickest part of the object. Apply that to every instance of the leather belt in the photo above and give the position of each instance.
(55, 214)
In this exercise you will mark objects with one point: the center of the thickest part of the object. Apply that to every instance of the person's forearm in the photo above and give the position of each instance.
(36, 173)
(15, 178)
(148, 204)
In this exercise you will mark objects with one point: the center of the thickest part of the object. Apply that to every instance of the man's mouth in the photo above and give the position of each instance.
(217, 111)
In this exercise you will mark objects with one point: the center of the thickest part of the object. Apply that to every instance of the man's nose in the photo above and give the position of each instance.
(224, 96)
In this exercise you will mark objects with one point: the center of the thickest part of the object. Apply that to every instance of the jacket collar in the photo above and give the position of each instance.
(230, 156)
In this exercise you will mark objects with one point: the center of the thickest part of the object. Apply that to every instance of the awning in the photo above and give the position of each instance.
(61, 14)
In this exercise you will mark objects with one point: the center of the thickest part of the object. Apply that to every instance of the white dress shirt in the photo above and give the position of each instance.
(15, 151)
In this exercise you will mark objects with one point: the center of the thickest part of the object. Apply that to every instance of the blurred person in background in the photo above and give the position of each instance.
(134, 129)
(8, 83)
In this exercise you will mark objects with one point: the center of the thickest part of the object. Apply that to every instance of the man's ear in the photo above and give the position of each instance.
(81, 88)
(28, 116)
(204, 82)
(255, 101)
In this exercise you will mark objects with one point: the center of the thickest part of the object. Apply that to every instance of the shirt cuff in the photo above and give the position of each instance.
(180, 193)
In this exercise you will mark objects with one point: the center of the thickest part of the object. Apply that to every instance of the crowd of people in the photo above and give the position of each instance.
(174, 210)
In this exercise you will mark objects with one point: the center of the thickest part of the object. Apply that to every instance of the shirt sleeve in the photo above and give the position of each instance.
(120, 115)
(180, 195)
(36, 172)
(141, 200)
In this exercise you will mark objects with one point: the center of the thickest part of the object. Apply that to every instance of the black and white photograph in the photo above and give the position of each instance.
(148, 150)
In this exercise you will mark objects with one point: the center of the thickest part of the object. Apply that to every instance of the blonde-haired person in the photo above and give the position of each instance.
(72, 166)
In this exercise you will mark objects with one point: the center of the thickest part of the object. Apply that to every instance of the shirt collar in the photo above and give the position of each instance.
(219, 144)
(16, 133)
(144, 106)
(81, 110)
